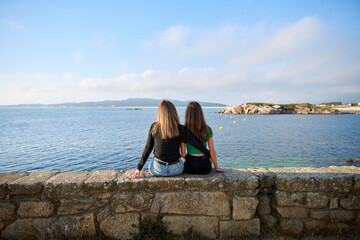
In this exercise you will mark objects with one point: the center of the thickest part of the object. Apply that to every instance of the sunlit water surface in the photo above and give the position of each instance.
(77, 139)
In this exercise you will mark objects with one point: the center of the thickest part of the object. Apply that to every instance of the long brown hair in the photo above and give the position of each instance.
(167, 120)
(195, 121)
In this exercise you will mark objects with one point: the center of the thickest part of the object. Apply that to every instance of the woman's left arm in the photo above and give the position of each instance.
(213, 155)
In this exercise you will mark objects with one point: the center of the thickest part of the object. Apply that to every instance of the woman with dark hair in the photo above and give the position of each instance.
(197, 162)
(165, 136)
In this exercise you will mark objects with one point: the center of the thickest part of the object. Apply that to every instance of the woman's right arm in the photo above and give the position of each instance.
(147, 150)
(182, 149)
(213, 155)
(188, 137)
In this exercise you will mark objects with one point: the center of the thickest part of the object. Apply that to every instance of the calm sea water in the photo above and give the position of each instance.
(77, 139)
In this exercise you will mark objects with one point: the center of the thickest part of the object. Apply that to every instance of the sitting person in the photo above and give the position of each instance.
(165, 136)
(196, 161)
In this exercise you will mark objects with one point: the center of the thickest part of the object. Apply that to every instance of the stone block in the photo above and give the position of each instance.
(264, 207)
(30, 184)
(6, 178)
(213, 181)
(205, 226)
(35, 209)
(301, 199)
(334, 203)
(79, 205)
(64, 185)
(2, 225)
(44, 228)
(357, 183)
(291, 226)
(314, 225)
(268, 220)
(352, 202)
(159, 184)
(333, 215)
(244, 207)
(240, 179)
(125, 183)
(88, 228)
(194, 203)
(312, 180)
(101, 181)
(293, 212)
(120, 226)
(7, 211)
(132, 201)
(266, 177)
(236, 229)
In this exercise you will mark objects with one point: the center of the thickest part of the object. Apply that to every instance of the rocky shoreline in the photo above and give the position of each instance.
(268, 108)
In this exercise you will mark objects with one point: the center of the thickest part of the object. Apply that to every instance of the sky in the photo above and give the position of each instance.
(228, 52)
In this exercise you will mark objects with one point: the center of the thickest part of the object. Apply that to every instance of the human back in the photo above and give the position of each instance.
(196, 162)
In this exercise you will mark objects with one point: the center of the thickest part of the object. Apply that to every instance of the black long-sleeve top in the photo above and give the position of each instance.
(167, 150)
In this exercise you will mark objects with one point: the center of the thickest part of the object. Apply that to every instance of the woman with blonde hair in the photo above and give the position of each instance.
(165, 136)
(197, 162)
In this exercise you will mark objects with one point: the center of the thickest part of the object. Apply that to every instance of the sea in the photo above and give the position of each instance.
(79, 139)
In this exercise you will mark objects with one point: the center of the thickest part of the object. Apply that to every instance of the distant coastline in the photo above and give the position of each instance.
(127, 103)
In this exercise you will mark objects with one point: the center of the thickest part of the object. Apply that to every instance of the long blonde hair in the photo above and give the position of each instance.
(195, 121)
(167, 120)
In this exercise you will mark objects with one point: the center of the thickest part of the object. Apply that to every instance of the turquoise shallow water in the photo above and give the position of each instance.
(77, 139)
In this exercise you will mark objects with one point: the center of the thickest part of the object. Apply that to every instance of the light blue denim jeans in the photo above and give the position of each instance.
(160, 170)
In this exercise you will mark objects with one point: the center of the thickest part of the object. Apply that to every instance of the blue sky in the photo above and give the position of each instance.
(220, 51)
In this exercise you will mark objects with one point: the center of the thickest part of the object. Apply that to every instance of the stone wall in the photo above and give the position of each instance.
(52, 205)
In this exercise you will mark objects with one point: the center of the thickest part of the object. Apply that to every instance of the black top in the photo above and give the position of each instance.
(167, 150)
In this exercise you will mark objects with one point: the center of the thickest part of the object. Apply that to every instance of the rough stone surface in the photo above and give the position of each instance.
(244, 207)
(334, 203)
(36, 209)
(266, 177)
(2, 225)
(120, 226)
(134, 201)
(7, 211)
(197, 203)
(264, 205)
(301, 199)
(333, 215)
(64, 184)
(79, 205)
(268, 220)
(240, 179)
(312, 180)
(291, 226)
(165, 184)
(352, 202)
(125, 183)
(235, 229)
(6, 178)
(293, 212)
(102, 181)
(357, 183)
(30, 184)
(314, 225)
(44, 228)
(88, 228)
(212, 181)
(205, 226)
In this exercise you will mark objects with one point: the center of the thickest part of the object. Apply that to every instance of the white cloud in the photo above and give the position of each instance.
(299, 62)
(14, 25)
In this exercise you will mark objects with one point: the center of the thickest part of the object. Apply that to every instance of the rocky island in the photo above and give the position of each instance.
(269, 108)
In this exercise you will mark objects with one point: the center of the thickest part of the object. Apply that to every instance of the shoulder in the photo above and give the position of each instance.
(210, 131)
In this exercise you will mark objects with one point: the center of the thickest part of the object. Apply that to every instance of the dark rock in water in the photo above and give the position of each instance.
(349, 161)
(133, 108)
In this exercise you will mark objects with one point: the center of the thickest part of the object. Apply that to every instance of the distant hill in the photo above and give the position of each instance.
(131, 102)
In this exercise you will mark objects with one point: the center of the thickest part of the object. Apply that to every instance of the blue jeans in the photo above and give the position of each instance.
(160, 170)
